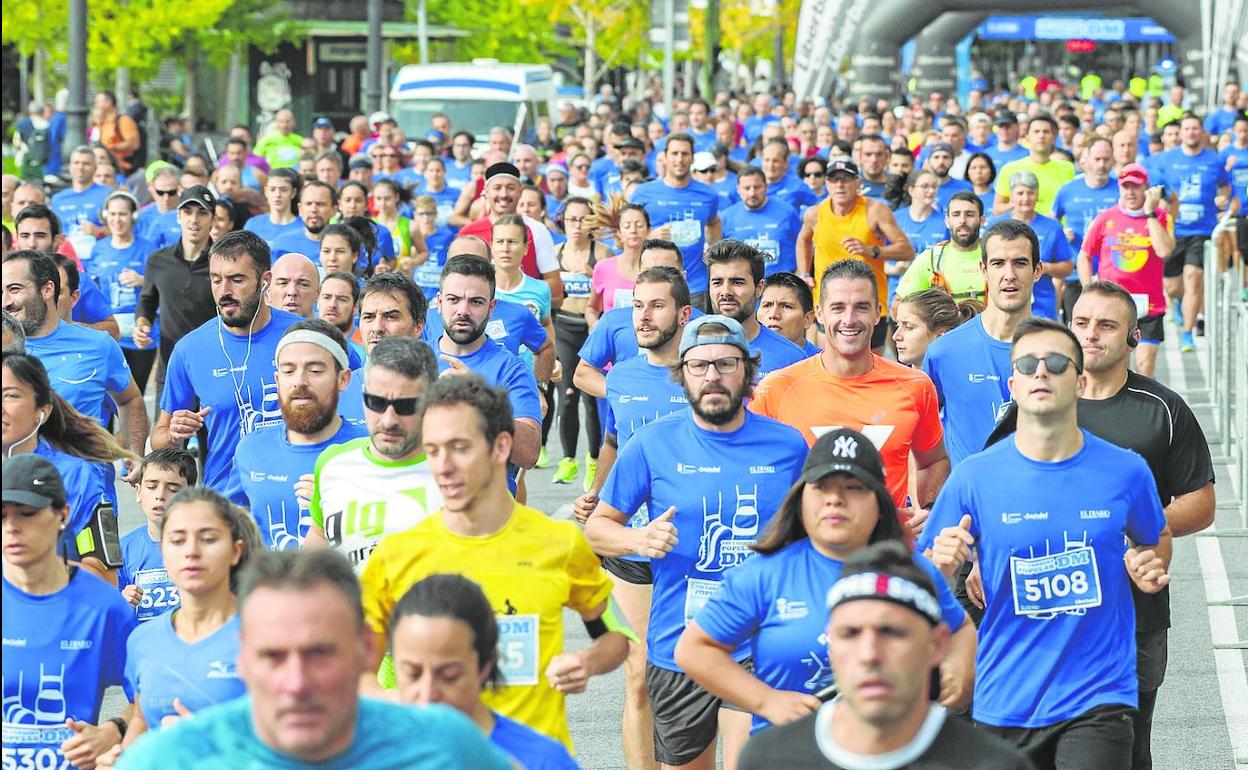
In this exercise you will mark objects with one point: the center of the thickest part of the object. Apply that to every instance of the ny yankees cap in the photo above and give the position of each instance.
(845, 451)
(31, 480)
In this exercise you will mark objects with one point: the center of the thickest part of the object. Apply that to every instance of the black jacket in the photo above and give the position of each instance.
(180, 290)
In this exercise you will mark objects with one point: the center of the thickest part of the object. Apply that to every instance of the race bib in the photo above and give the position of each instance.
(427, 276)
(518, 649)
(686, 232)
(37, 747)
(1190, 212)
(159, 595)
(1141, 304)
(697, 593)
(770, 248)
(623, 298)
(1062, 582)
(125, 324)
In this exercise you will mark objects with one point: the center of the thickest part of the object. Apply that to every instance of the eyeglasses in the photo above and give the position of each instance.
(574, 220)
(580, 166)
(699, 367)
(403, 407)
(1054, 363)
(166, 193)
(814, 174)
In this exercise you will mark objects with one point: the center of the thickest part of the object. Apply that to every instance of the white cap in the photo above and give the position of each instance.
(378, 117)
(704, 161)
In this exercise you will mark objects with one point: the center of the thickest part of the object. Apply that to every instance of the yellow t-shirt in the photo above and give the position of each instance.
(530, 570)
(1051, 176)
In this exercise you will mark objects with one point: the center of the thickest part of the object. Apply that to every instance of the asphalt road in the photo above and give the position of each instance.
(1201, 708)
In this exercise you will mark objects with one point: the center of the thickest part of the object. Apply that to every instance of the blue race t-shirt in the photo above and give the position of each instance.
(385, 736)
(530, 748)
(775, 603)
(775, 351)
(503, 370)
(92, 306)
(613, 338)
(772, 229)
(234, 375)
(1058, 634)
(105, 267)
(687, 209)
(89, 492)
(264, 227)
(1238, 172)
(971, 372)
(1076, 205)
(73, 207)
(269, 466)
(792, 191)
(160, 666)
(157, 228)
(143, 565)
(84, 366)
(61, 651)
(296, 242)
(1053, 248)
(725, 488)
(726, 189)
(1001, 157)
(1195, 179)
(946, 191)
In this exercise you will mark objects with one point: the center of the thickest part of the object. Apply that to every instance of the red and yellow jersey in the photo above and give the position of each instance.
(893, 405)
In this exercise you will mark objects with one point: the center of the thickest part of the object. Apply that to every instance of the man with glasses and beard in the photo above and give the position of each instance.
(379, 484)
(220, 376)
(312, 372)
(316, 204)
(709, 498)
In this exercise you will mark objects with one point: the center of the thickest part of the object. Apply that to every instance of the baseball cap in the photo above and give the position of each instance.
(719, 150)
(556, 168)
(630, 143)
(842, 165)
(1133, 173)
(200, 195)
(435, 136)
(845, 451)
(323, 123)
(940, 147)
(358, 162)
(502, 168)
(704, 161)
(732, 334)
(1006, 118)
(378, 117)
(32, 480)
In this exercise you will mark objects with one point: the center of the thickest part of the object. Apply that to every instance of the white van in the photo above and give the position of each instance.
(476, 97)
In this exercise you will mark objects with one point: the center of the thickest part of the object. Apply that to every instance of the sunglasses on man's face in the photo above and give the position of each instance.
(403, 407)
(166, 193)
(1054, 363)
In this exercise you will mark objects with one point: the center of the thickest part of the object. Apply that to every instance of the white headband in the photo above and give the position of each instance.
(885, 587)
(319, 339)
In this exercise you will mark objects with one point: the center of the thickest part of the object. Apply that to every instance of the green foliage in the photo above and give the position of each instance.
(502, 29)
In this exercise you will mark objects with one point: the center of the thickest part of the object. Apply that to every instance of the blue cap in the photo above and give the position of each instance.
(435, 136)
(730, 333)
(323, 123)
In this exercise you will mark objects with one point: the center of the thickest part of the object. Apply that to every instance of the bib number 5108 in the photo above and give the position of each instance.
(1056, 586)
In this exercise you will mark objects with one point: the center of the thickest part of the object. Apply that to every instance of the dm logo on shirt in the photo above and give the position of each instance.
(726, 544)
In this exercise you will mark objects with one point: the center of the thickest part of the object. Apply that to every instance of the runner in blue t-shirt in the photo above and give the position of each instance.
(142, 577)
(1235, 160)
(221, 376)
(1056, 256)
(769, 225)
(312, 374)
(838, 506)
(186, 659)
(64, 629)
(736, 280)
(1079, 201)
(316, 204)
(1194, 178)
(79, 205)
(711, 490)
(116, 266)
(1061, 523)
(682, 210)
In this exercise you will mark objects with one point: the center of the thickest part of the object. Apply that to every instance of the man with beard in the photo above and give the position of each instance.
(312, 371)
(221, 376)
(316, 204)
(847, 385)
(765, 223)
(465, 302)
(36, 227)
(735, 270)
(1051, 172)
(710, 498)
(501, 194)
(939, 161)
(952, 265)
(336, 303)
(380, 484)
(86, 367)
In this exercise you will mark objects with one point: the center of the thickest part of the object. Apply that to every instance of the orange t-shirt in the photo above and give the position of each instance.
(893, 405)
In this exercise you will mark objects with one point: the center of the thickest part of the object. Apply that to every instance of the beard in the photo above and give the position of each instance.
(716, 415)
(464, 337)
(307, 419)
(34, 314)
(665, 336)
(968, 241)
(247, 311)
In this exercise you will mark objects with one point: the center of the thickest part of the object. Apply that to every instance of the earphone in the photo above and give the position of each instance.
(43, 417)
(264, 286)
(1133, 339)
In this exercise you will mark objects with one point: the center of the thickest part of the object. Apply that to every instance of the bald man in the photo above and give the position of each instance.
(296, 283)
(26, 194)
(469, 244)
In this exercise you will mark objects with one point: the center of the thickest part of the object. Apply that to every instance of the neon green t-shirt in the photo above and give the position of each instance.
(280, 151)
(959, 272)
(1052, 176)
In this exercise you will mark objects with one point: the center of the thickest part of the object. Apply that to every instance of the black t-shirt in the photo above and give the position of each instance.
(1156, 423)
(957, 745)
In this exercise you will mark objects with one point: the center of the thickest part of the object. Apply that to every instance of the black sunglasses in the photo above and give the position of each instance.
(1054, 363)
(403, 407)
(165, 193)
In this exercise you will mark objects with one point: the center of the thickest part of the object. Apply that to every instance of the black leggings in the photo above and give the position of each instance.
(570, 333)
(141, 362)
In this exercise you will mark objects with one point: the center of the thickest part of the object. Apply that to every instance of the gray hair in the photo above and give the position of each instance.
(14, 327)
(302, 571)
(1024, 179)
(405, 356)
(167, 171)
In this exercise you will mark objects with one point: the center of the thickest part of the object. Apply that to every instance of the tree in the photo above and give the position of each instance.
(607, 32)
(499, 29)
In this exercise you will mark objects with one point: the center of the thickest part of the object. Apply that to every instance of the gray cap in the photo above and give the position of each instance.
(732, 334)
(31, 480)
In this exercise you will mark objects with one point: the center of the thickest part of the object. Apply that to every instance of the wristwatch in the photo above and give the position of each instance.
(1153, 214)
(875, 252)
